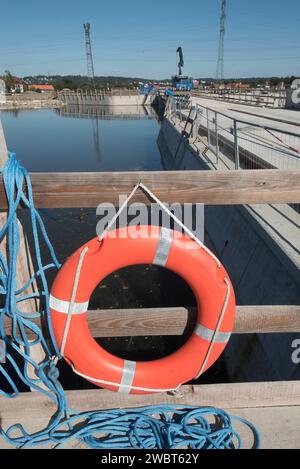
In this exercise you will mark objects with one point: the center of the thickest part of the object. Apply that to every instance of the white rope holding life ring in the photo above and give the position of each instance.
(75, 287)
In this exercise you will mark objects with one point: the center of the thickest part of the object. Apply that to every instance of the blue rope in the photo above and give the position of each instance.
(152, 427)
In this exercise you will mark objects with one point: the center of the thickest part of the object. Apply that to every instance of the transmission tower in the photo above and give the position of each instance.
(220, 64)
(89, 55)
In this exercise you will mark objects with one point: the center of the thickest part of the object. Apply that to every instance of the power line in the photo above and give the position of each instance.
(126, 59)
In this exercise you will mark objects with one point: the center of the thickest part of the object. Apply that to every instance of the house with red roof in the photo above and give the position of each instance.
(42, 88)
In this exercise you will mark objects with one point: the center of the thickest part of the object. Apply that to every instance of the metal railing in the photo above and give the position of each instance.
(240, 143)
(255, 146)
(234, 144)
(274, 98)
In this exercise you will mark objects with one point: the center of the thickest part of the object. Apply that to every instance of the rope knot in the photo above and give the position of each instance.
(53, 373)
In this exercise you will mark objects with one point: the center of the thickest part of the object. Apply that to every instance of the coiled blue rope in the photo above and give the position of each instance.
(152, 427)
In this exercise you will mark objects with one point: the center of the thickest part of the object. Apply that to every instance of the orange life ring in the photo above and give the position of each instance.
(208, 280)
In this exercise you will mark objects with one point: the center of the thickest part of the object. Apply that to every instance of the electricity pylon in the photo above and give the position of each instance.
(220, 64)
(89, 55)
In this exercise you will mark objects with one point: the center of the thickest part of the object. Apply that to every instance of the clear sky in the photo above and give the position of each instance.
(139, 38)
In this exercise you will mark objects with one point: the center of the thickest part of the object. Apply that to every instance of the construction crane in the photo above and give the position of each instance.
(181, 82)
(220, 63)
(181, 61)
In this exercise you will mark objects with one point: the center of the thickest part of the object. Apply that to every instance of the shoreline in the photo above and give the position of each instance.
(31, 104)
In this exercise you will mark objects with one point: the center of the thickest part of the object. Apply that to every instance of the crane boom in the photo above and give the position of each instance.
(181, 61)
(181, 82)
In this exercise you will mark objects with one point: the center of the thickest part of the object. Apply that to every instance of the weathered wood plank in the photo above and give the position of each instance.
(3, 148)
(279, 428)
(35, 411)
(180, 320)
(229, 395)
(267, 319)
(58, 190)
(25, 271)
(273, 407)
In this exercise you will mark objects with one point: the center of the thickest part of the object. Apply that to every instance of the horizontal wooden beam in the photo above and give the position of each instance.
(180, 320)
(229, 395)
(268, 406)
(267, 319)
(59, 190)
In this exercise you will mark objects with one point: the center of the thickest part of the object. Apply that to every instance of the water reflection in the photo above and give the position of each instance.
(107, 112)
(95, 127)
(96, 113)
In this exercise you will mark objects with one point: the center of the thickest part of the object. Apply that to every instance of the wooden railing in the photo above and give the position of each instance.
(69, 190)
(62, 190)
(177, 321)
(58, 190)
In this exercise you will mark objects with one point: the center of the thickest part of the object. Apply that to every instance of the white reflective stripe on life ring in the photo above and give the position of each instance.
(62, 306)
(163, 247)
(207, 334)
(127, 376)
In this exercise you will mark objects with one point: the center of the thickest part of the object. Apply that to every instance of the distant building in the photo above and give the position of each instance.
(42, 88)
(238, 86)
(218, 86)
(16, 85)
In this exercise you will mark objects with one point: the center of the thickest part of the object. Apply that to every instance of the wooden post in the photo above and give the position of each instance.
(25, 268)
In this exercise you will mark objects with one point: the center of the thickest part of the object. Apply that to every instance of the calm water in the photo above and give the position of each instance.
(72, 140)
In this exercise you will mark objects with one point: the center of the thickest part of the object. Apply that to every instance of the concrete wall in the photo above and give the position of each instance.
(261, 273)
(107, 112)
(106, 100)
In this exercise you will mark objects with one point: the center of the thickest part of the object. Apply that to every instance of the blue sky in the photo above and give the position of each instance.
(139, 38)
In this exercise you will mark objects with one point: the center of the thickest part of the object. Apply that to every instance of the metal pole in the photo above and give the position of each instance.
(236, 147)
(180, 109)
(217, 137)
(196, 123)
(208, 131)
